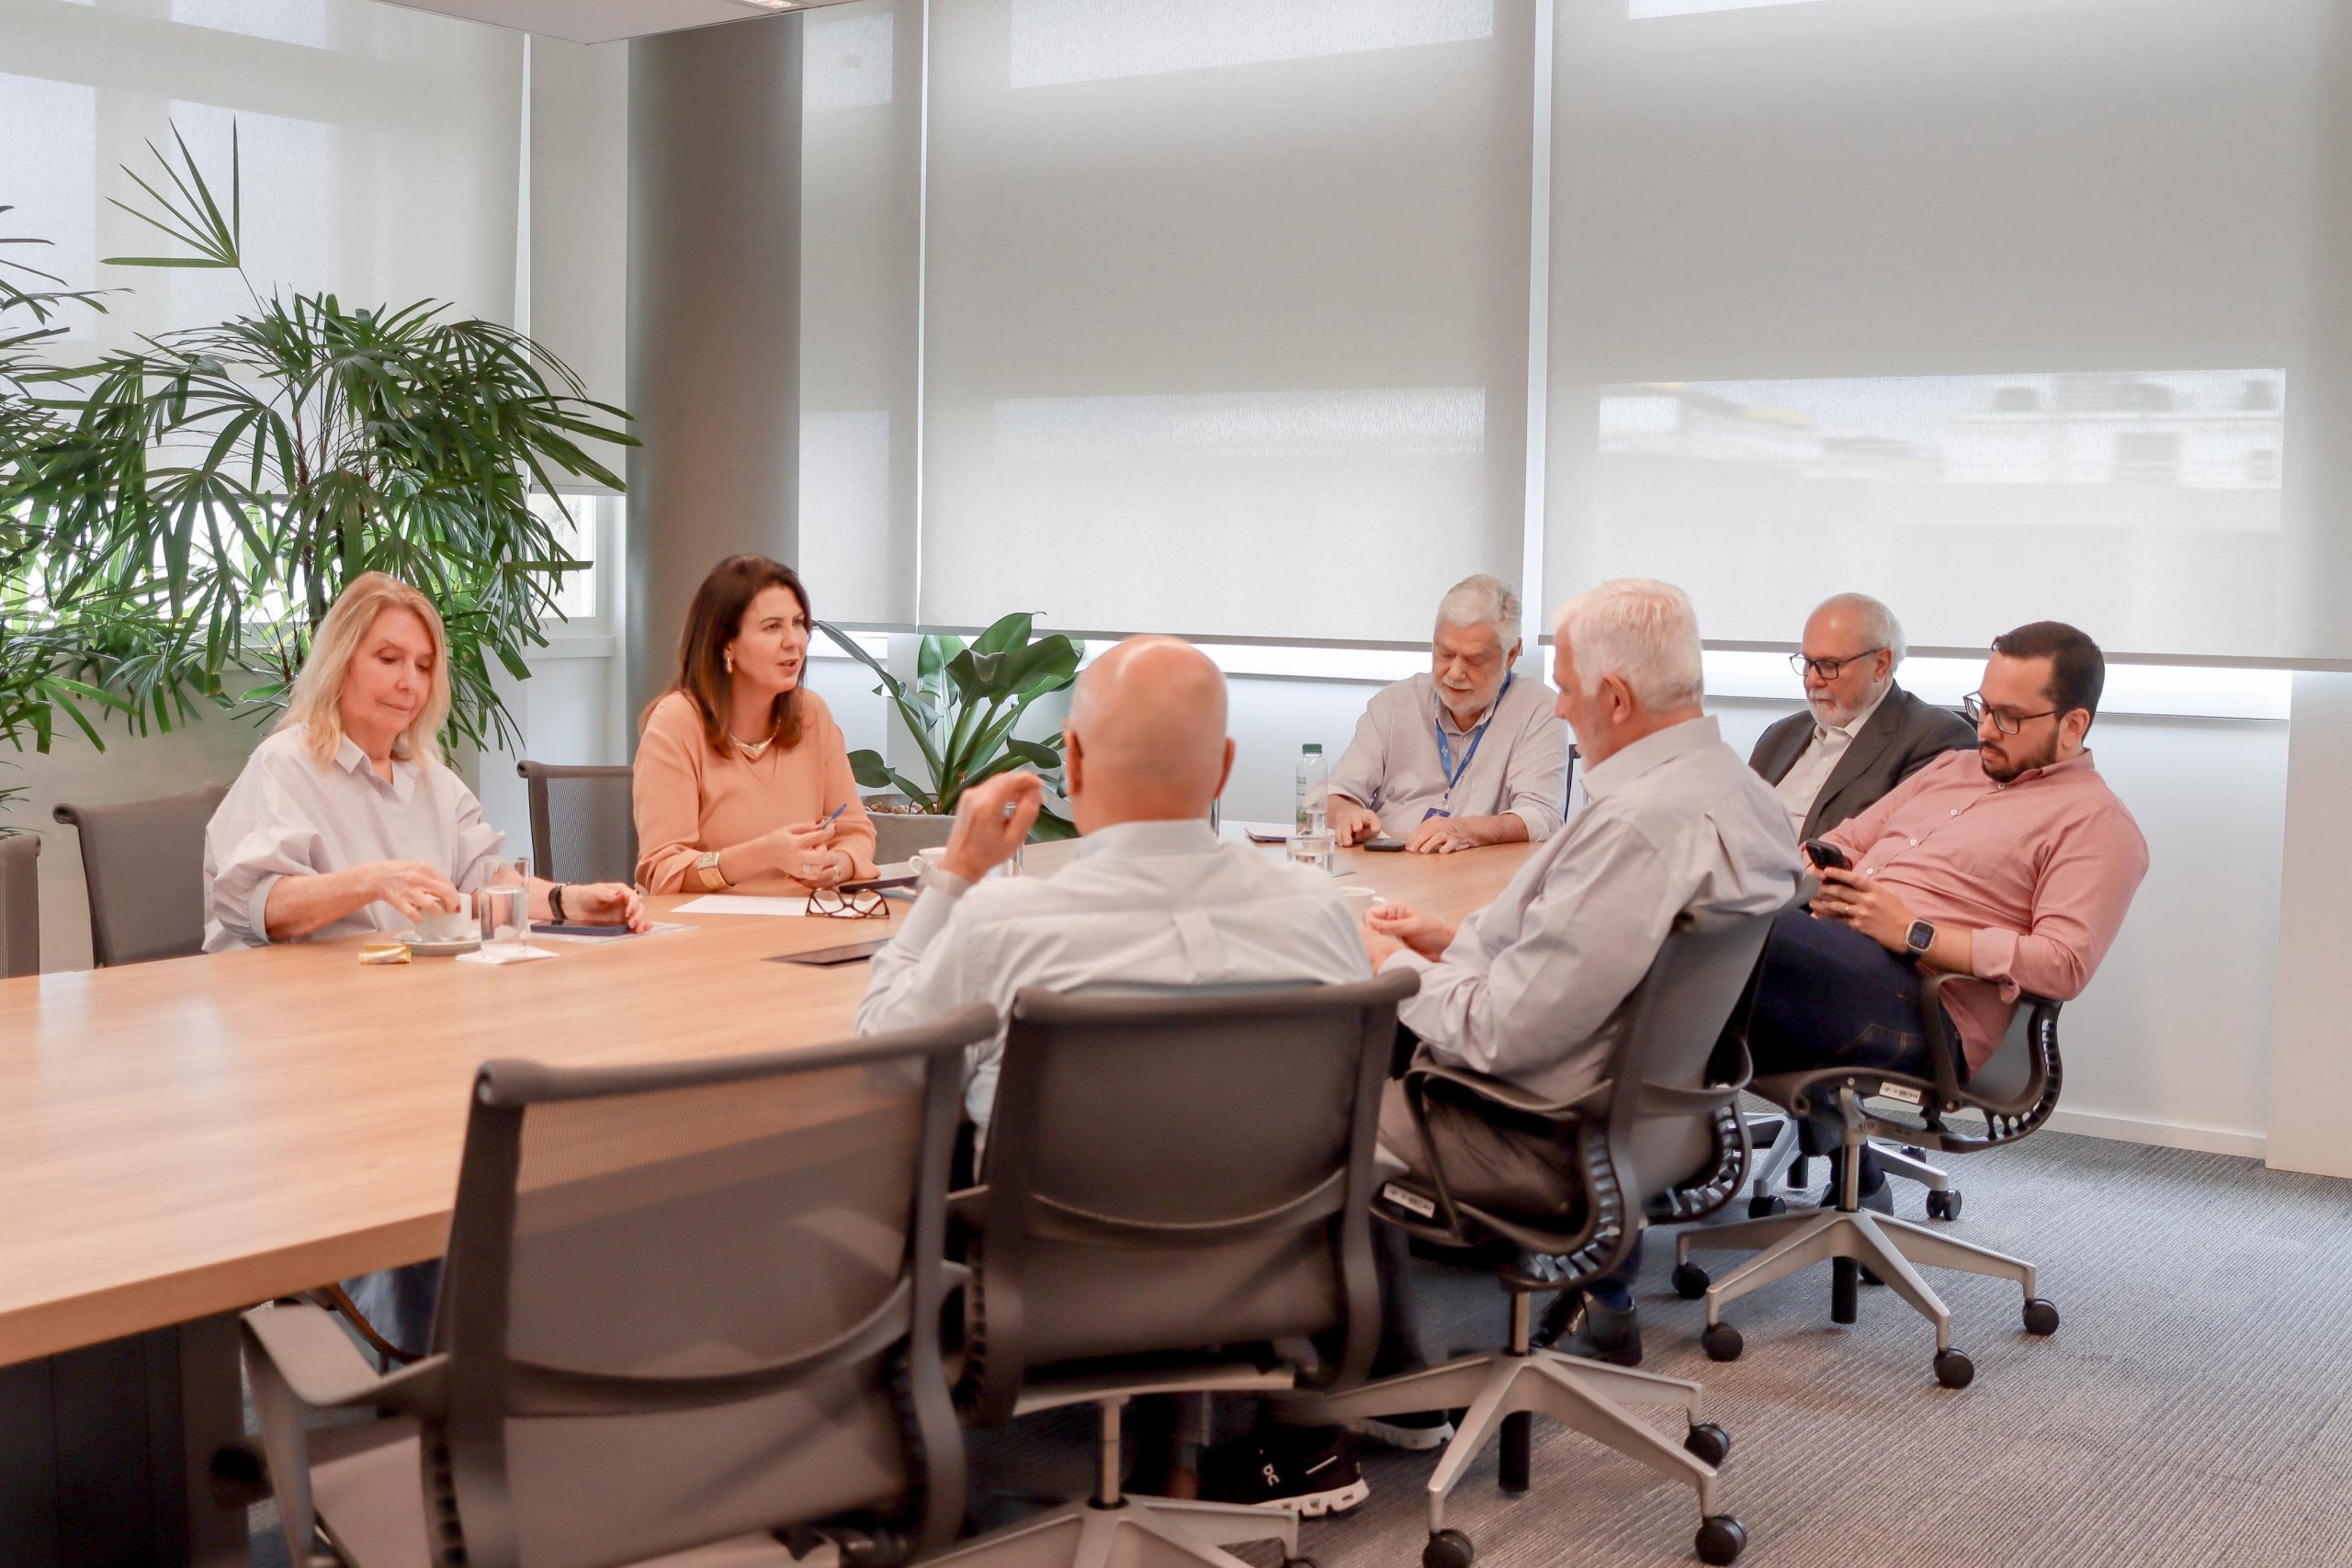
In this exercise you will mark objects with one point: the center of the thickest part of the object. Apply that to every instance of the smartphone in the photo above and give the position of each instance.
(882, 883)
(1826, 853)
(579, 931)
(825, 957)
(1382, 846)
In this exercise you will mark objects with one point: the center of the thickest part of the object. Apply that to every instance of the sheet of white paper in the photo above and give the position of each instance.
(483, 955)
(744, 903)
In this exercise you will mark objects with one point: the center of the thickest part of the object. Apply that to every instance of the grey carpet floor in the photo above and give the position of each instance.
(2193, 1411)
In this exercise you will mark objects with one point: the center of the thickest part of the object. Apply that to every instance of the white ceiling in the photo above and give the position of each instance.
(602, 22)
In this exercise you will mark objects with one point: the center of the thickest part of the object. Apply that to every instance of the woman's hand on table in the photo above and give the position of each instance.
(605, 903)
(413, 888)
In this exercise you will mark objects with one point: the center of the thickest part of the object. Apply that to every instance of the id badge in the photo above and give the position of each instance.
(1435, 811)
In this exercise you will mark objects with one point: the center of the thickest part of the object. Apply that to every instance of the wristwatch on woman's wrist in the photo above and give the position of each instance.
(555, 901)
(707, 869)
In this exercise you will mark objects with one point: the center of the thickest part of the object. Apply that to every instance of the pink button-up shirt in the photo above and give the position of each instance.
(2041, 869)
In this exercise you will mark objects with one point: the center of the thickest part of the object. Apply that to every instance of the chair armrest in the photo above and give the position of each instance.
(299, 1359)
(1945, 1059)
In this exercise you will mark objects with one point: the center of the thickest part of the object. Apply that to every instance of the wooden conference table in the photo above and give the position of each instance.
(180, 1140)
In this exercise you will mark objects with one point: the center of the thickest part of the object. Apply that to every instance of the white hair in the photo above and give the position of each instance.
(1878, 626)
(1642, 631)
(1482, 600)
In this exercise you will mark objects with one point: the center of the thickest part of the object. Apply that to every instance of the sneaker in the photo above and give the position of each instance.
(1576, 1324)
(1414, 1430)
(1311, 1470)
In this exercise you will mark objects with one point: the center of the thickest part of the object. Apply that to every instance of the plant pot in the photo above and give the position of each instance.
(898, 834)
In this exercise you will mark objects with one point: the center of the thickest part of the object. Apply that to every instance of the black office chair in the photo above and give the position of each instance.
(1656, 1137)
(583, 822)
(19, 906)
(687, 1305)
(143, 863)
(1177, 1200)
(2014, 1091)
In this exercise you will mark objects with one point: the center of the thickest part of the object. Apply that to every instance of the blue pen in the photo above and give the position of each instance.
(837, 812)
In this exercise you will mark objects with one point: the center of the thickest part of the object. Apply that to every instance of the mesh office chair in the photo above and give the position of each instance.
(2015, 1091)
(1177, 1200)
(19, 906)
(1657, 1136)
(143, 862)
(685, 1304)
(583, 822)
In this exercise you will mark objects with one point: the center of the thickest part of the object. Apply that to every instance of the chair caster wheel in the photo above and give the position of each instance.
(1944, 1205)
(1721, 1540)
(1448, 1548)
(1954, 1369)
(1764, 1205)
(1690, 1281)
(2040, 1316)
(1709, 1443)
(1722, 1342)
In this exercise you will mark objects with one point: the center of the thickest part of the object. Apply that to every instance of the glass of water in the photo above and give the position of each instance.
(505, 902)
(1312, 848)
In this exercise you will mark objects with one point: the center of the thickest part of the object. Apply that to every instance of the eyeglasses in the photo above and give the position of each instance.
(1973, 707)
(862, 905)
(1828, 669)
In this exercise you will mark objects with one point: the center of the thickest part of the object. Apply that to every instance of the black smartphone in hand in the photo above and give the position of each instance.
(1827, 854)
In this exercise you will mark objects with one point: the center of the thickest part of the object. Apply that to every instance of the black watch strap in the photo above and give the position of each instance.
(554, 902)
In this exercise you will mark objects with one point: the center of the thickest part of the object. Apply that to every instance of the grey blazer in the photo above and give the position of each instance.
(1903, 736)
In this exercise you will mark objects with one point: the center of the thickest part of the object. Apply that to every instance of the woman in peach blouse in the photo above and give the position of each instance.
(740, 770)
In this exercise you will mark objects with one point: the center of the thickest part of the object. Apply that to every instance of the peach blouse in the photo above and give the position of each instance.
(690, 799)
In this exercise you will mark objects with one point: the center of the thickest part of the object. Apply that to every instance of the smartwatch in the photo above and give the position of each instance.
(1919, 938)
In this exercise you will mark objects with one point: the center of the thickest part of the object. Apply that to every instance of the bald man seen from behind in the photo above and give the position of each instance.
(1152, 898)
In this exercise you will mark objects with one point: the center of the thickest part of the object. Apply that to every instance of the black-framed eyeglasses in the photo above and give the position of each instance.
(862, 905)
(1973, 707)
(1828, 668)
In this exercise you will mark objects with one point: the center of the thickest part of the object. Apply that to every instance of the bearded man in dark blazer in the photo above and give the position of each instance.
(1860, 734)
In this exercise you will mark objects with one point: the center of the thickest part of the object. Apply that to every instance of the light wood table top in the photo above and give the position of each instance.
(188, 1137)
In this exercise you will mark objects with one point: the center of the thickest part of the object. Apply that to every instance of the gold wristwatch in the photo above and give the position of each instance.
(706, 868)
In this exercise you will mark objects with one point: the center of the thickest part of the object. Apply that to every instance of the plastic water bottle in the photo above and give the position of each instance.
(1314, 797)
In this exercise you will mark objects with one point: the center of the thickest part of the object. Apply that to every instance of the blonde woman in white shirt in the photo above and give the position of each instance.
(346, 821)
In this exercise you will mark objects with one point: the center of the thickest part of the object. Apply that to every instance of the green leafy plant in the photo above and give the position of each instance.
(962, 707)
(197, 503)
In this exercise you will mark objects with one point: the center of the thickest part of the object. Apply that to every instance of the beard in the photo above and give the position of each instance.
(2010, 762)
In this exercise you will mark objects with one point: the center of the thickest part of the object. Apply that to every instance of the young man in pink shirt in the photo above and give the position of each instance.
(2013, 863)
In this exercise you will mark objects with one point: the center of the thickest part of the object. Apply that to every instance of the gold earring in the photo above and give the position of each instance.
(730, 657)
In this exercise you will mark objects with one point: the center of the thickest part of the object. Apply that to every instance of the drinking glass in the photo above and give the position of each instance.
(504, 900)
(1312, 848)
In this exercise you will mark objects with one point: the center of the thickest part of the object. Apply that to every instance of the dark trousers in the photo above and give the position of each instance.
(1827, 996)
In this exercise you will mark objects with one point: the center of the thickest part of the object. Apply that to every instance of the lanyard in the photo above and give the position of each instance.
(1446, 751)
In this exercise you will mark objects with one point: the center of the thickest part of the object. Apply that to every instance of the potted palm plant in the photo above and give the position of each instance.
(962, 707)
(195, 504)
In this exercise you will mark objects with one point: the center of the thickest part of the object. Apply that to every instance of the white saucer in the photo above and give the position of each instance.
(421, 946)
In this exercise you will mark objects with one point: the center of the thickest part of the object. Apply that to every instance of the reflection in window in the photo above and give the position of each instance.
(1056, 41)
(1412, 421)
(2192, 429)
(845, 63)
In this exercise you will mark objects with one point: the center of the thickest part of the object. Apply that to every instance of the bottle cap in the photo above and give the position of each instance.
(1313, 748)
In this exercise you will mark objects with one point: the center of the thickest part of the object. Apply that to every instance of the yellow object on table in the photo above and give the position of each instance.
(383, 952)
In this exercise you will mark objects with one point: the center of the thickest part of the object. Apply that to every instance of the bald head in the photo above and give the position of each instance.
(1146, 735)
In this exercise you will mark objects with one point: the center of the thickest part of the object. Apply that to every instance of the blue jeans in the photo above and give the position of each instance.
(1830, 997)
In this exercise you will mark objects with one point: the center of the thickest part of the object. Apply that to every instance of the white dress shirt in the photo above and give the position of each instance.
(1145, 905)
(1521, 766)
(1532, 988)
(286, 816)
(1809, 774)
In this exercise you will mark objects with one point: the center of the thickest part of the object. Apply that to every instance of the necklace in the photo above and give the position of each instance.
(751, 753)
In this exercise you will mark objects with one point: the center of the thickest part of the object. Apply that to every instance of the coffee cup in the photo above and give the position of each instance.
(446, 925)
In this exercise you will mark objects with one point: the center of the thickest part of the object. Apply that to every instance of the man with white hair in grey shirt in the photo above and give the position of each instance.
(1468, 754)
(1532, 988)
